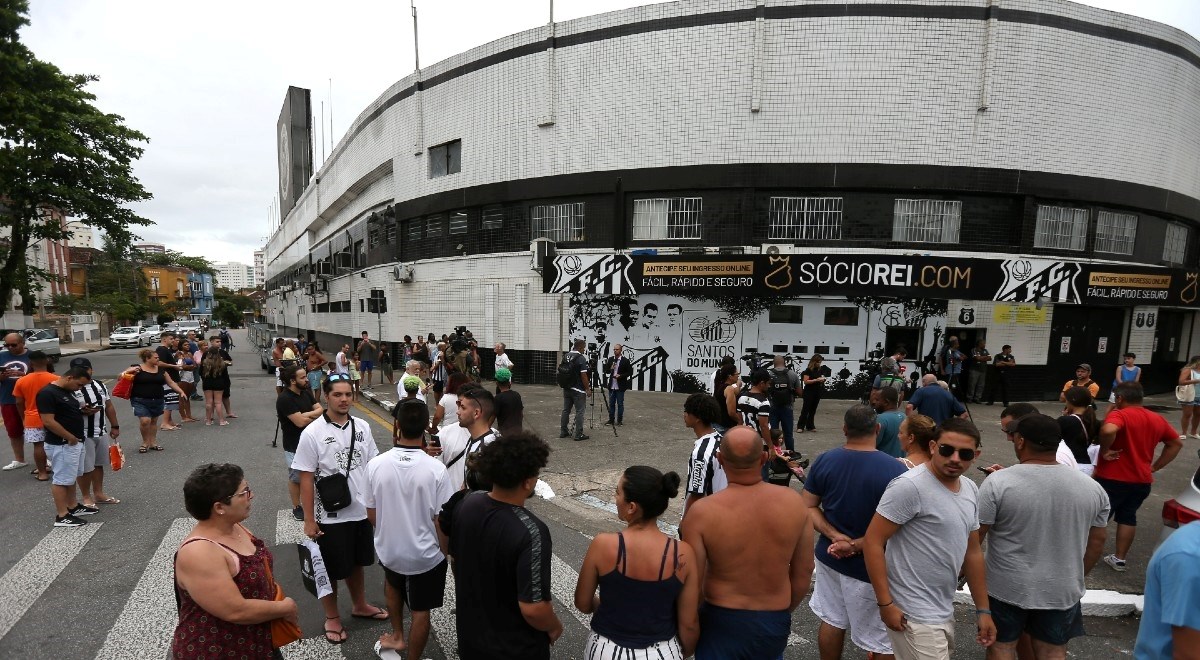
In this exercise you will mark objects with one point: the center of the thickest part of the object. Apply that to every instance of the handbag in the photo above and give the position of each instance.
(283, 632)
(334, 490)
(1185, 393)
(124, 387)
(116, 457)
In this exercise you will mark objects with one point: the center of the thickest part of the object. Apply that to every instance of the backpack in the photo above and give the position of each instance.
(568, 371)
(781, 388)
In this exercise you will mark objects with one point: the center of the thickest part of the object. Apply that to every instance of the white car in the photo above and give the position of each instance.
(152, 333)
(129, 336)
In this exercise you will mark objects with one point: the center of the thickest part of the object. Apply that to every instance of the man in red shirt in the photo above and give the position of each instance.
(1127, 464)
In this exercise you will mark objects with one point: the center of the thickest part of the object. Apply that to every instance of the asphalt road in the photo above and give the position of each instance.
(104, 590)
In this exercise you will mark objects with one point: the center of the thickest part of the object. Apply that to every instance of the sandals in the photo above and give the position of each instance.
(108, 500)
(340, 635)
(156, 448)
(224, 424)
(142, 450)
(379, 614)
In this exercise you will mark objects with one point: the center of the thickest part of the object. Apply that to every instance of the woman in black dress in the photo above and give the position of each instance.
(814, 387)
(150, 383)
(216, 381)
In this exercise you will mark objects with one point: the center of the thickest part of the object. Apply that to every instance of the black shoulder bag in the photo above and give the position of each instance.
(334, 490)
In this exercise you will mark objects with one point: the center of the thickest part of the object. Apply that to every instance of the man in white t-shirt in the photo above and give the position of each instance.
(341, 364)
(345, 536)
(406, 489)
(502, 359)
(411, 368)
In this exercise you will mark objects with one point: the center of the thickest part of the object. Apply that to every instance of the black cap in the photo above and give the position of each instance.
(81, 362)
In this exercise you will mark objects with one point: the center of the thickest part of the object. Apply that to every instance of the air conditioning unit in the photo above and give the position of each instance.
(312, 277)
(539, 250)
(324, 268)
(402, 273)
(321, 286)
(780, 248)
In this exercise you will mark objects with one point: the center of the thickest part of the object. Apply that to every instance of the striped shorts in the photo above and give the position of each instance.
(600, 647)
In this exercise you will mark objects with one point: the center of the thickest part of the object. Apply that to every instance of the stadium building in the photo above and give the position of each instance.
(718, 177)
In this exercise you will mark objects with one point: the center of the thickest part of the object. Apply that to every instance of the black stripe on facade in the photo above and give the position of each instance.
(941, 12)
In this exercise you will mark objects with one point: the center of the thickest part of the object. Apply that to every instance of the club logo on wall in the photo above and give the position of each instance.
(1027, 280)
(780, 275)
(966, 316)
(703, 329)
(1188, 295)
(1140, 321)
(592, 274)
(1150, 320)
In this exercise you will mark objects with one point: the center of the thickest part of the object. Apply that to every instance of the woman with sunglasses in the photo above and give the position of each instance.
(147, 396)
(649, 599)
(223, 574)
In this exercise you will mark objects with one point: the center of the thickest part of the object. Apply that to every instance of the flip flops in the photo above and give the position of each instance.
(379, 614)
(340, 635)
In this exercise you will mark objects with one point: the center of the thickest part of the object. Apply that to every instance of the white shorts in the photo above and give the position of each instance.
(35, 435)
(599, 647)
(924, 641)
(95, 449)
(849, 604)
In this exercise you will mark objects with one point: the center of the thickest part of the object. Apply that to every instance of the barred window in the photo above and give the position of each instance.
(1175, 244)
(493, 217)
(445, 159)
(926, 220)
(433, 225)
(1061, 228)
(558, 222)
(806, 218)
(415, 227)
(373, 234)
(667, 218)
(458, 222)
(390, 232)
(1115, 232)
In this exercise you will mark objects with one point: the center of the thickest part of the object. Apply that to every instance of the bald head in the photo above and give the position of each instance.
(14, 342)
(928, 379)
(741, 449)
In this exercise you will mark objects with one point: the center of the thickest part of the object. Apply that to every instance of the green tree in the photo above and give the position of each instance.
(229, 307)
(59, 151)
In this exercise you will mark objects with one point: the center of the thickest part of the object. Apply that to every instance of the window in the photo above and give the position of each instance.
(786, 314)
(558, 222)
(1175, 244)
(433, 225)
(1115, 232)
(810, 218)
(445, 159)
(458, 222)
(360, 255)
(926, 221)
(414, 229)
(373, 234)
(493, 217)
(1061, 228)
(667, 218)
(154, 284)
(841, 316)
(389, 235)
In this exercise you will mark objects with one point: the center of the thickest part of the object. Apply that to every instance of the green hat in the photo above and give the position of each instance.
(411, 383)
(503, 375)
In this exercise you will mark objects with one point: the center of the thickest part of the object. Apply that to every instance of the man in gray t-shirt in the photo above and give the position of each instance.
(1045, 526)
(928, 521)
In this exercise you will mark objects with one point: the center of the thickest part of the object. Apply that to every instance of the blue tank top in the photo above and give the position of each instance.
(638, 613)
(1127, 374)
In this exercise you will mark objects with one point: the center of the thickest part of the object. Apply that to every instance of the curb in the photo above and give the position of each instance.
(70, 352)
(370, 395)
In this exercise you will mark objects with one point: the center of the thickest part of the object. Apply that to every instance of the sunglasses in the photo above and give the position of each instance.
(333, 378)
(946, 451)
(8, 345)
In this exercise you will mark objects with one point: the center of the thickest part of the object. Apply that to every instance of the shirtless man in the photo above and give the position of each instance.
(750, 590)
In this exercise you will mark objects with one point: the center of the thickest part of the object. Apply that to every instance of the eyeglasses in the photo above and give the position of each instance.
(946, 451)
(248, 493)
(333, 378)
(8, 345)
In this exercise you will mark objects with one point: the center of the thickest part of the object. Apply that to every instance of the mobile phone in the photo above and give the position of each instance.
(985, 470)
(434, 440)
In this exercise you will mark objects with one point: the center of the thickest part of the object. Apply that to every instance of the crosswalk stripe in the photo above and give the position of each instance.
(312, 648)
(29, 578)
(441, 619)
(562, 585)
(144, 627)
(288, 529)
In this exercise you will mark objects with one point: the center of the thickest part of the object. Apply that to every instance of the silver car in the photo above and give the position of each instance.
(1184, 508)
(128, 337)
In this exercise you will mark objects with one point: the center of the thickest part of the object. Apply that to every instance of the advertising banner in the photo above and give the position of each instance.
(295, 147)
(1017, 280)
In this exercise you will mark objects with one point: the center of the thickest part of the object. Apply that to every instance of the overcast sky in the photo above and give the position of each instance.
(205, 81)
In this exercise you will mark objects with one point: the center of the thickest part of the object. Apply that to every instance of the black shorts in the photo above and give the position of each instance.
(1125, 499)
(421, 592)
(346, 545)
(1055, 627)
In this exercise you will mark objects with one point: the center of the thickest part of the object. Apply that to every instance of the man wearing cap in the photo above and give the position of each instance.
(1047, 524)
(99, 425)
(1083, 378)
(510, 411)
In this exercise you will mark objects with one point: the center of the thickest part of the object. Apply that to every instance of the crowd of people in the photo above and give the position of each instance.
(884, 530)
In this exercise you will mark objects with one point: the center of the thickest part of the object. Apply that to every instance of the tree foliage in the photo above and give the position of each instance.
(57, 150)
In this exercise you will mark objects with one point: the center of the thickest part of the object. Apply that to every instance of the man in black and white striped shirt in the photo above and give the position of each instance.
(99, 424)
(705, 475)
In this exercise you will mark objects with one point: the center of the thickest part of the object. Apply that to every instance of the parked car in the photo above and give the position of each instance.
(264, 353)
(153, 333)
(44, 340)
(184, 327)
(131, 336)
(1184, 508)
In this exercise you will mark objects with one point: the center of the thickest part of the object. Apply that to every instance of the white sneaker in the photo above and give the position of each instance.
(1117, 565)
(15, 465)
(1182, 436)
(1195, 435)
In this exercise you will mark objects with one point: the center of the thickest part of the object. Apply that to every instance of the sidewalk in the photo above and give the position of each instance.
(80, 347)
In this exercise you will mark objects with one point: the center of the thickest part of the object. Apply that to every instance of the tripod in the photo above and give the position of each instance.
(604, 397)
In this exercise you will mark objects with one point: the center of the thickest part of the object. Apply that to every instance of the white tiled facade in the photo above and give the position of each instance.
(924, 91)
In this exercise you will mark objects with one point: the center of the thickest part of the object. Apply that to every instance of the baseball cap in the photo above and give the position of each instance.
(1085, 366)
(503, 375)
(81, 362)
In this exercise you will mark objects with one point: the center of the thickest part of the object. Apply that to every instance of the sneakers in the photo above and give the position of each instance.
(1117, 565)
(298, 513)
(608, 423)
(582, 436)
(15, 465)
(84, 510)
(68, 521)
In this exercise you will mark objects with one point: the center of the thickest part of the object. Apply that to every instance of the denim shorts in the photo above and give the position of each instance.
(1055, 627)
(68, 462)
(293, 474)
(147, 407)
